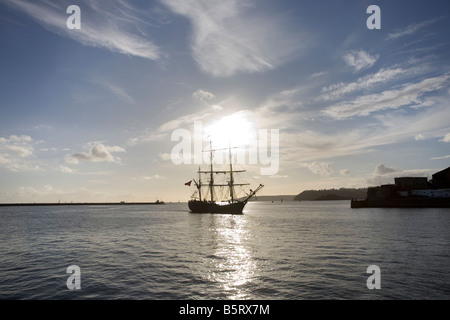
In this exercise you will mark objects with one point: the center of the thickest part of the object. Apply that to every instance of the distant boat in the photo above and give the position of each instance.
(207, 201)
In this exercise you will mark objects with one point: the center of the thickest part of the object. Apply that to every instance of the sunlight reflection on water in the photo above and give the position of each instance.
(233, 265)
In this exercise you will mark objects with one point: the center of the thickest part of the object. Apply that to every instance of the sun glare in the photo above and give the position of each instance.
(231, 131)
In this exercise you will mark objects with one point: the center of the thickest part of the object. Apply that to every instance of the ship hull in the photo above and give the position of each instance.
(211, 207)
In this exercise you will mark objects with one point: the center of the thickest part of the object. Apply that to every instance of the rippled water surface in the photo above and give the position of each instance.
(290, 250)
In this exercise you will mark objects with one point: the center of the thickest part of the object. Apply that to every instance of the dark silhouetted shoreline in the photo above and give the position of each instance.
(79, 203)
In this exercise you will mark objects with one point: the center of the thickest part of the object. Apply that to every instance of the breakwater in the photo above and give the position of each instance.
(79, 204)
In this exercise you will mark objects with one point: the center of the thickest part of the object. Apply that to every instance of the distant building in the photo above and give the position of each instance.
(382, 192)
(409, 183)
(410, 192)
(441, 179)
(437, 187)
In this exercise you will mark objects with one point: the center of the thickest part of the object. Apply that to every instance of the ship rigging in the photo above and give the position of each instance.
(211, 202)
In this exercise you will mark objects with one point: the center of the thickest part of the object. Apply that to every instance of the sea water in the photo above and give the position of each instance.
(274, 251)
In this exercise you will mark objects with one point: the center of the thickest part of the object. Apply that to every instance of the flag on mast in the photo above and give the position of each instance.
(188, 183)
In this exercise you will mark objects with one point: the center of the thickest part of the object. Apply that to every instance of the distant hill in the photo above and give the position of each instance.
(331, 194)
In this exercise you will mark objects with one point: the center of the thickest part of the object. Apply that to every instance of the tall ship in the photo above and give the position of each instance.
(216, 189)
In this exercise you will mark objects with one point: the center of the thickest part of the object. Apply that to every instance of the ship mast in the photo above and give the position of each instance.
(231, 178)
(199, 185)
(211, 182)
(230, 184)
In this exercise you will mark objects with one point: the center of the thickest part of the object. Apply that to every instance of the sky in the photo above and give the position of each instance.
(119, 108)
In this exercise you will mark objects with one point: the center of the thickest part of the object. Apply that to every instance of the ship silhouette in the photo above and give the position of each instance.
(206, 199)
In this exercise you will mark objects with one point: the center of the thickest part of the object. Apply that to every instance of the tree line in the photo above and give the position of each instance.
(332, 194)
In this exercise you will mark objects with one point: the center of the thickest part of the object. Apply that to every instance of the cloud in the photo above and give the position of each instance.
(16, 153)
(440, 158)
(65, 169)
(318, 74)
(381, 170)
(43, 127)
(216, 107)
(97, 153)
(305, 134)
(168, 127)
(340, 89)
(312, 145)
(325, 143)
(181, 121)
(419, 137)
(165, 156)
(154, 177)
(446, 138)
(320, 168)
(103, 25)
(360, 59)
(399, 126)
(383, 175)
(412, 28)
(17, 146)
(229, 38)
(405, 95)
(116, 90)
(203, 96)
(288, 109)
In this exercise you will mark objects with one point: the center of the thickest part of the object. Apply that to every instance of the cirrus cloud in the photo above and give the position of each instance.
(360, 59)
(412, 28)
(407, 94)
(108, 30)
(228, 38)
